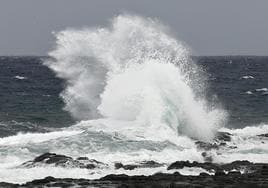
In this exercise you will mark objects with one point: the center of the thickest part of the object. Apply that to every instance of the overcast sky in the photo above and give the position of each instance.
(209, 27)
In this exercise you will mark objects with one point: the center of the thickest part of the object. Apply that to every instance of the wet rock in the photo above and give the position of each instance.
(264, 170)
(126, 167)
(118, 165)
(169, 180)
(63, 161)
(160, 180)
(82, 158)
(204, 174)
(226, 175)
(234, 173)
(206, 145)
(222, 144)
(8, 185)
(144, 164)
(263, 135)
(51, 158)
(238, 165)
(219, 142)
(232, 147)
(181, 164)
(223, 136)
(219, 173)
(43, 181)
(150, 164)
(207, 157)
(113, 177)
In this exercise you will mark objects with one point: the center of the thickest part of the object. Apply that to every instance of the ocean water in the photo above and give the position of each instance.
(128, 92)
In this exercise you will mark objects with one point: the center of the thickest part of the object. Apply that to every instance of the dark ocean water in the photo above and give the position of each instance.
(29, 92)
(29, 96)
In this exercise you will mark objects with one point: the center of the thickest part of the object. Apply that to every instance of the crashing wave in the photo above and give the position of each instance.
(133, 70)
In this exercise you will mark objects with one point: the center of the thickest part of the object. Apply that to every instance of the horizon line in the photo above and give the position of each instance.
(28, 55)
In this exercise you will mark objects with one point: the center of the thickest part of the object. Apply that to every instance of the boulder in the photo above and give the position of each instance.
(144, 164)
(263, 135)
(223, 136)
(53, 159)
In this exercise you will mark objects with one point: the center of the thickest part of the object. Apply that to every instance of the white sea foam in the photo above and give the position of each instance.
(247, 77)
(262, 89)
(248, 131)
(138, 97)
(24, 175)
(20, 77)
(248, 145)
(22, 139)
(109, 147)
(134, 70)
(249, 92)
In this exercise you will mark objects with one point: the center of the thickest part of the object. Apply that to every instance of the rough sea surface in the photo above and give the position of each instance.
(30, 92)
(130, 99)
(30, 103)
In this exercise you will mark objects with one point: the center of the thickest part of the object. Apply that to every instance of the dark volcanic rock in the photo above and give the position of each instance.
(257, 178)
(234, 173)
(8, 185)
(219, 141)
(239, 165)
(43, 181)
(207, 157)
(51, 158)
(223, 136)
(159, 180)
(219, 173)
(206, 145)
(63, 161)
(264, 170)
(181, 164)
(245, 166)
(126, 167)
(226, 175)
(144, 164)
(263, 135)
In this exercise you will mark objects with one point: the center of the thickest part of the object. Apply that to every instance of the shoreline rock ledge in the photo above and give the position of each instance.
(159, 180)
(225, 175)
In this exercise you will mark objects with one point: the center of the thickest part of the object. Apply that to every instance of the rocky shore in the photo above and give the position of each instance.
(224, 175)
(220, 179)
(235, 174)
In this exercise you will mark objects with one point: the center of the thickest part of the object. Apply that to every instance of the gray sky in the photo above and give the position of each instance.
(209, 27)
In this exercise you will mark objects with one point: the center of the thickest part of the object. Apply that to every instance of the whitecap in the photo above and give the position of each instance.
(249, 92)
(20, 77)
(247, 77)
(261, 89)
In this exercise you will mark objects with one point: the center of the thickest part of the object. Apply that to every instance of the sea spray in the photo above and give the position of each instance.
(134, 71)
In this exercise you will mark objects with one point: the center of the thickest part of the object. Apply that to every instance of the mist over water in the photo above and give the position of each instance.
(134, 70)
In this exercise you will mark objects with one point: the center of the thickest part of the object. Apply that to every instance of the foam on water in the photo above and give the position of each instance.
(20, 77)
(262, 89)
(137, 97)
(24, 175)
(247, 77)
(111, 147)
(249, 92)
(249, 146)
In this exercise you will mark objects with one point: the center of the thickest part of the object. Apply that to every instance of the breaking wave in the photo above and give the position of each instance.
(134, 71)
(137, 97)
